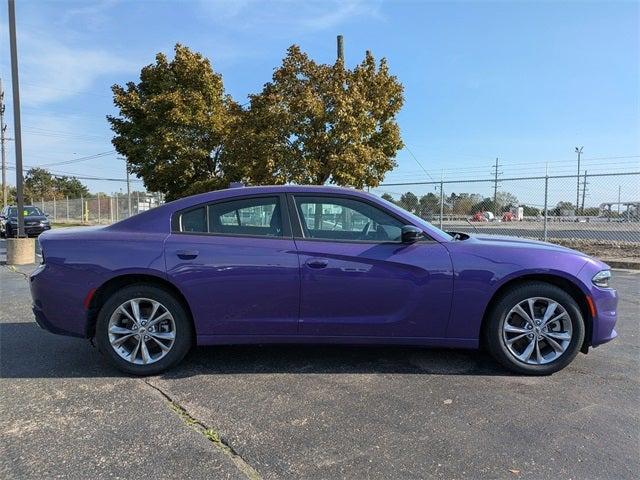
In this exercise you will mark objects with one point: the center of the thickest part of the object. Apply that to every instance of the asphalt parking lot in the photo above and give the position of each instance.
(313, 412)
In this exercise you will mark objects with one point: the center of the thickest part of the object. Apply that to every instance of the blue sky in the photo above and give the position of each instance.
(523, 81)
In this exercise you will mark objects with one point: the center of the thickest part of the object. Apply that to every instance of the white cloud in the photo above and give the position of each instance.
(91, 15)
(311, 15)
(52, 72)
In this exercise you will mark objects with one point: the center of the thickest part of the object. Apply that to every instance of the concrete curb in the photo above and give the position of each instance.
(626, 264)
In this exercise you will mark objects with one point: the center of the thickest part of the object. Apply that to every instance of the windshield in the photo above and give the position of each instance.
(417, 220)
(28, 211)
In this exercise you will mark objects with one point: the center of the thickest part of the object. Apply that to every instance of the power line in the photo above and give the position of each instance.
(417, 161)
(81, 159)
(83, 177)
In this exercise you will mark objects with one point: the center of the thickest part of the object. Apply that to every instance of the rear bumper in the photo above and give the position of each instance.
(43, 323)
(57, 303)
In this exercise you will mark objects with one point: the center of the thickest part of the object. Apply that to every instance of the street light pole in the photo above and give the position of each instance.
(16, 115)
(3, 153)
(579, 152)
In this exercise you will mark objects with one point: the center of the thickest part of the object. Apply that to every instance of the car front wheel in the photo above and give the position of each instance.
(143, 330)
(535, 329)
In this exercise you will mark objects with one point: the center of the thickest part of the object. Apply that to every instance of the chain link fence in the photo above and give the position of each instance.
(98, 209)
(563, 209)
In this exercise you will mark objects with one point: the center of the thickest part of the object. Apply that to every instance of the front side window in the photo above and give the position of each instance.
(334, 218)
(246, 216)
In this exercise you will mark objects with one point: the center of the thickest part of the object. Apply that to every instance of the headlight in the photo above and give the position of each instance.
(44, 222)
(601, 279)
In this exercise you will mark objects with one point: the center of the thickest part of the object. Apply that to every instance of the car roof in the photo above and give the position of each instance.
(158, 219)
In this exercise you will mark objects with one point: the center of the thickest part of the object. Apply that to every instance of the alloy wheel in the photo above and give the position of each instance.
(142, 331)
(537, 330)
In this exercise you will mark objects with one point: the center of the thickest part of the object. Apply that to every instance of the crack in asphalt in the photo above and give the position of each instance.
(211, 434)
(13, 269)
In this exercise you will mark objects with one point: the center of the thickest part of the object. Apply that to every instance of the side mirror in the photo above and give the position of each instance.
(411, 234)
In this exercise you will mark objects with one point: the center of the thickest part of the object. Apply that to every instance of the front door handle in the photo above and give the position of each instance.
(187, 254)
(317, 263)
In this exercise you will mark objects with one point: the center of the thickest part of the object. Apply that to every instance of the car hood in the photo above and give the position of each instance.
(499, 241)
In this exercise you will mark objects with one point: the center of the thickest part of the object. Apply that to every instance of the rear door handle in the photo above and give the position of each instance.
(317, 263)
(187, 254)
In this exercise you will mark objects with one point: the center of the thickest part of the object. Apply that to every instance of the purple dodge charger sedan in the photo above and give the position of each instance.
(294, 264)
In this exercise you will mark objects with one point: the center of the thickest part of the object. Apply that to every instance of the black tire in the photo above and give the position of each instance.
(493, 331)
(9, 232)
(184, 335)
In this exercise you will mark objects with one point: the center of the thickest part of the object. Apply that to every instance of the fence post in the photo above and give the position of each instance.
(54, 208)
(81, 209)
(67, 208)
(42, 203)
(441, 201)
(546, 205)
(99, 222)
(110, 210)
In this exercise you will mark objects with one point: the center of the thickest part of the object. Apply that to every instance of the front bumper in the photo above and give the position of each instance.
(36, 229)
(606, 305)
(31, 230)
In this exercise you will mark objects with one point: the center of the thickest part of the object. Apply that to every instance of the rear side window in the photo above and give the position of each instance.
(194, 221)
(246, 216)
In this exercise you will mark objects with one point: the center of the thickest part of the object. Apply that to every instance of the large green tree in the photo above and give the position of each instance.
(311, 124)
(39, 183)
(316, 123)
(173, 124)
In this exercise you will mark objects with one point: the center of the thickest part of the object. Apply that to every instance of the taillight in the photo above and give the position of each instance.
(41, 251)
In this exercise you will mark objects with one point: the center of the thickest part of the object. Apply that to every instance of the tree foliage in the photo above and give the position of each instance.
(316, 123)
(311, 124)
(39, 183)
(173, 123)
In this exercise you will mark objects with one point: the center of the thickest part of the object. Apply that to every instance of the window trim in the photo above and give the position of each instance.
(298, 231)
(176, 217)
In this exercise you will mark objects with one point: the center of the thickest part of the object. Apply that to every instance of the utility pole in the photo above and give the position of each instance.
(3, 152)
(16, 115)
(496, 172)
(584, 191)
(579, 152)
(546, 203)
(340, 48)
(619, 195)
(128, 189)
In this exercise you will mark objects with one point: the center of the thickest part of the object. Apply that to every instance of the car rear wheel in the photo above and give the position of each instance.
(535, 329)
(143, 330)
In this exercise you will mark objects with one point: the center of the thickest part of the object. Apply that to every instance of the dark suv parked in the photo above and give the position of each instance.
(35, 221)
